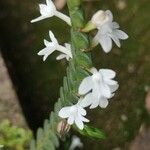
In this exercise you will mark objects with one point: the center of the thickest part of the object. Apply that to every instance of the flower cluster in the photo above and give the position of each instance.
(49, 10)
(95, 90)
(99, 87)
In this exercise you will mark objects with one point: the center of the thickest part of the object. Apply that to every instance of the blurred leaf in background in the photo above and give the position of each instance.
(12, 137)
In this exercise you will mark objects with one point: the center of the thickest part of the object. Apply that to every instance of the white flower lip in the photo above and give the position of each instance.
(74, 114)
(49, 10)
(98, 88)
(53, 46)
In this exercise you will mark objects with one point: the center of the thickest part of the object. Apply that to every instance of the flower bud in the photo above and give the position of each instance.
(63, 127)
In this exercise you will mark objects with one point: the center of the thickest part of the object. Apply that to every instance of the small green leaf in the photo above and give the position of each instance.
(83, 60)
(39, 134)
(32, 145)
(58, 106)
(92, 132)
(53, 137)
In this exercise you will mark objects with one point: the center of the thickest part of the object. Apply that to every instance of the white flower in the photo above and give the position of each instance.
(62, 56)
(108, 32)
(99, 88)
(75, 114)
(101, 17)
(49, 10)
(76, 142)
(52, 46)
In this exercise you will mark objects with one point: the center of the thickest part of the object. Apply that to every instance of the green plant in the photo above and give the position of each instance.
(12, 137)
(74, 93)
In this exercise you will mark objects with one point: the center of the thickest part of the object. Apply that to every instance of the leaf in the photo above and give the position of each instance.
(32, 145)
(92, 132)
(39, 134)
(53, 137)
(58, 106)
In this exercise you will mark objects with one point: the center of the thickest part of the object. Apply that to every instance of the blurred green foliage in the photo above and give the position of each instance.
(14, 138)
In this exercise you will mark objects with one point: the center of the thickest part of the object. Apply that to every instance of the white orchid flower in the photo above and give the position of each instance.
(76, 143)
(74, 114)
(108, 32)
(98, 88)
(53, 46)
(62, 56)
(49, 10)
(98, 19)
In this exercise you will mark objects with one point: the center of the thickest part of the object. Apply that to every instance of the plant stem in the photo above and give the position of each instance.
(47, 138)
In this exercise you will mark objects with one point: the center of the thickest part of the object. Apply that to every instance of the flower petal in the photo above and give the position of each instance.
(46, 52)
(79, 123)
(86, 101)
(84, 119)
(39, 19)
(47, 43)
(115, 39)
(105, 90)
(64, 112)
(52, 37)
(111, 82)
(115, 25)
(45, 57)
(61, 56)
(70, 120)
(95, 103)
(85, 86)
(43, 9)
(51, 5)
(107, 73)
(110, 15)
(43, 51)
(113, 88)
(81, 111)
(103, 103)
(105, 42)
(120, 34)
(93, 70)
